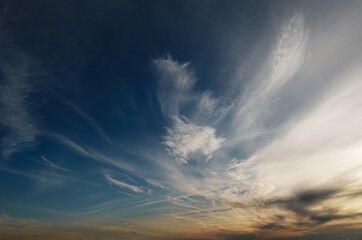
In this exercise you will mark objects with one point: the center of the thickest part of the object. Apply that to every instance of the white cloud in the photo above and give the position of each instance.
(176, 93)
(122, 184)
(185, 138)
(320, 150)
(155, 183)
(322, 147)
(92, 153)
(205, 106)
(44, 179)
(257, 102)
(49, 163)
(88, 118)
(176, 81)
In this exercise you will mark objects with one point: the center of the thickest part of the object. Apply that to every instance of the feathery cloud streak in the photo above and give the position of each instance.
(257, 104)
(176, 83)
(21, 127)
(122, 184)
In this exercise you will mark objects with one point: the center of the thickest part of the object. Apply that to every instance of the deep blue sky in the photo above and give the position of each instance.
(180, 119)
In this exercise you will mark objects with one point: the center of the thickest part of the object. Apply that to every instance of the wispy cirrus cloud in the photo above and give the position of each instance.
(257, 104)
(121, 184)
(176, 92)
(20, 126)
(11, 222)
(92, 153)
(51, 164)
(176, 82)
(87, 118)
(45, 179)
(155, 183)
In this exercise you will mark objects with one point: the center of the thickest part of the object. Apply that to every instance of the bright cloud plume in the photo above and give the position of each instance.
(322, 147)
(257, 105)
(186, 138)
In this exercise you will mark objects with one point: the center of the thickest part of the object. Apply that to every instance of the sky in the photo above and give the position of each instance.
(173, 120)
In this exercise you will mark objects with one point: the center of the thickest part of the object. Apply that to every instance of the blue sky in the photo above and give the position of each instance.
(180, 119)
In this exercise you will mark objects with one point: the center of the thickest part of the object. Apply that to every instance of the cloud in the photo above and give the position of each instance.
(313, 168)
(323, 144)
(206, 105)
(185, 138)
(91, 153)
(21, 128)
(122, 184)
(256, 105)
(309, 154)
(306, 175)
(88, 119)
(155, 183)
(189, 133)
(176, 81)
(45, 179)
(10, 222)
(177, 94)
(53, 165)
